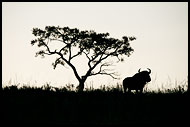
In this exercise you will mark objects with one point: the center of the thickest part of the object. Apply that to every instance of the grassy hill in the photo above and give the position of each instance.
(48, 105)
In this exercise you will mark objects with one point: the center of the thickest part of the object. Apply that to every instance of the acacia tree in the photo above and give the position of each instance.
(96, 47)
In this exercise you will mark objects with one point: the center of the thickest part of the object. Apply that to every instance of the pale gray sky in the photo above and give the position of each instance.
(161, 30)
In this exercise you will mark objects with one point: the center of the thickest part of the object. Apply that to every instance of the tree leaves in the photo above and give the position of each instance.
(88, 42)
(41, 53)
(38, 32)
(58, 61)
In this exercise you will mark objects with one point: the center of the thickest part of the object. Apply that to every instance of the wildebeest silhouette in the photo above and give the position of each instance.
(137, 82)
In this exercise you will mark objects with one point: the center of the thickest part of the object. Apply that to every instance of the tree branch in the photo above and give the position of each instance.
(69, 52)
(70, 64)
(102, 71)
(88, 59)
(105, 73)
(61, 55)
(58, 40)
(57, 61)
(76, 54)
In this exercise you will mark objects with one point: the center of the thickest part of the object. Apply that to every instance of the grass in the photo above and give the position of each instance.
(107, 105)
(102, 89)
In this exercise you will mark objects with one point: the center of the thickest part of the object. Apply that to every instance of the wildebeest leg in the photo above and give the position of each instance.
(124, 89)
(129, 90)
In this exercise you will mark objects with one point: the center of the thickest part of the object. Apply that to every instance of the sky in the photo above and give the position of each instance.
(161, 29)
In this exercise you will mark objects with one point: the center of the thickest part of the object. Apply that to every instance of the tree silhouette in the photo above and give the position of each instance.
(97, 47)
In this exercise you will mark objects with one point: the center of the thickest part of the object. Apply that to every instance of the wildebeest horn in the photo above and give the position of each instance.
(139, 70)
(149, 70)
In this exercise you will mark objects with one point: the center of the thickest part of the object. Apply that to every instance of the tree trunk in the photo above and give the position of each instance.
(80, 87)
(81, 84)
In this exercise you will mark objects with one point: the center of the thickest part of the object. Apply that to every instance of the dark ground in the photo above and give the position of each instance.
(93, 108)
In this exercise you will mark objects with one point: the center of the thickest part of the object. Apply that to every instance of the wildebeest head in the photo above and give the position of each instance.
(144, 75)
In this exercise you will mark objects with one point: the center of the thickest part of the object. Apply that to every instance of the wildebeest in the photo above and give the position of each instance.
(137, 82)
